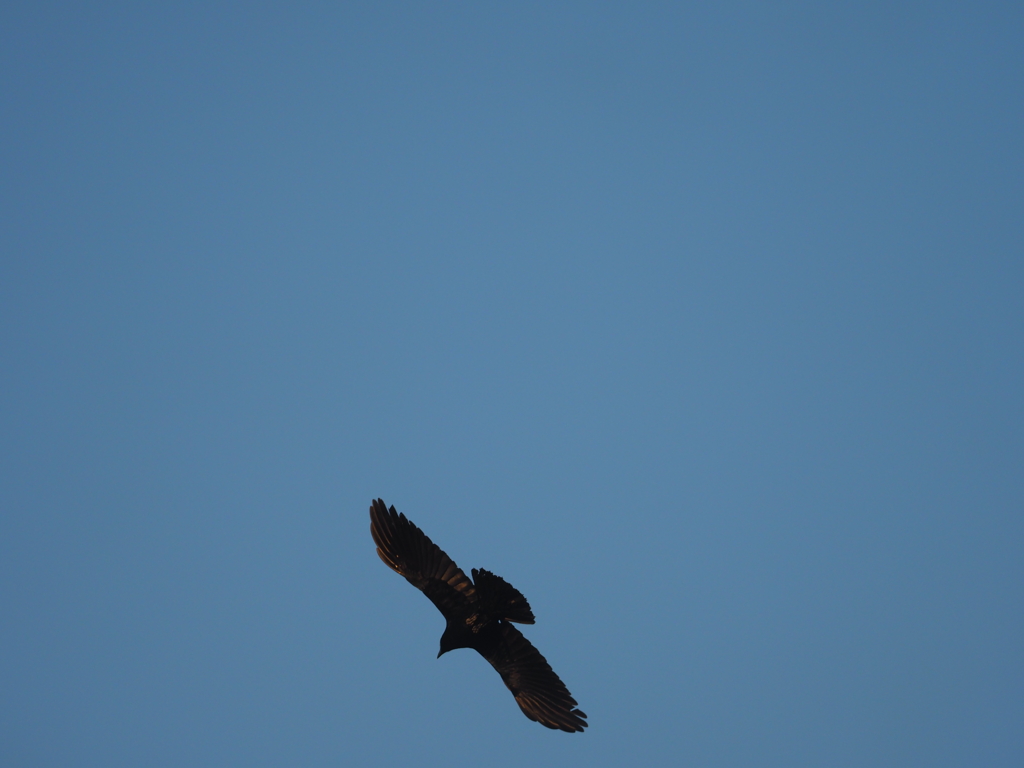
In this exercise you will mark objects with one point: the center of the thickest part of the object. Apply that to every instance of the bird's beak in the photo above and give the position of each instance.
(439, 654)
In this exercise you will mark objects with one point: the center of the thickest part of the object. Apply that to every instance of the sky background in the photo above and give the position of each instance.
(701, 324)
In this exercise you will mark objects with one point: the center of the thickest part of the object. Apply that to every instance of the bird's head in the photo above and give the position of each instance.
(447, 642)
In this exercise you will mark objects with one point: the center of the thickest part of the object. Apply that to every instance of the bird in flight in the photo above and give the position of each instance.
(477, 613)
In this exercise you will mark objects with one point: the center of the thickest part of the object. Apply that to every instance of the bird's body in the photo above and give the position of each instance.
(478, 615)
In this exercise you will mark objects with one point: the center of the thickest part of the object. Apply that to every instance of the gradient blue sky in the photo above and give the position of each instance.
(702, 325)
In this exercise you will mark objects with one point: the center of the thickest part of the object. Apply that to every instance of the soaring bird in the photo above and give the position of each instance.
(478, 615)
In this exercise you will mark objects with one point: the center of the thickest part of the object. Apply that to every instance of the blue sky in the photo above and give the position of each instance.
(702, 326)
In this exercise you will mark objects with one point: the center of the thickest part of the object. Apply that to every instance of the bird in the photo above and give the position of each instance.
(478, 615)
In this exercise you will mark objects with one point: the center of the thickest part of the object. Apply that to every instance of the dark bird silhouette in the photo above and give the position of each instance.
(477, 613)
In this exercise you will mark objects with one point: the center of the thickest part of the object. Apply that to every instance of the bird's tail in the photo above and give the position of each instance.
(501, 599)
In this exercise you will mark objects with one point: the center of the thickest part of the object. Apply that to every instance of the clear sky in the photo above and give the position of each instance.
(701, 324)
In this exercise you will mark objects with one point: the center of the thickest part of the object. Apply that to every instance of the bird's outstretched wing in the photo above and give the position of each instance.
(539, 692)
(407, 550)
